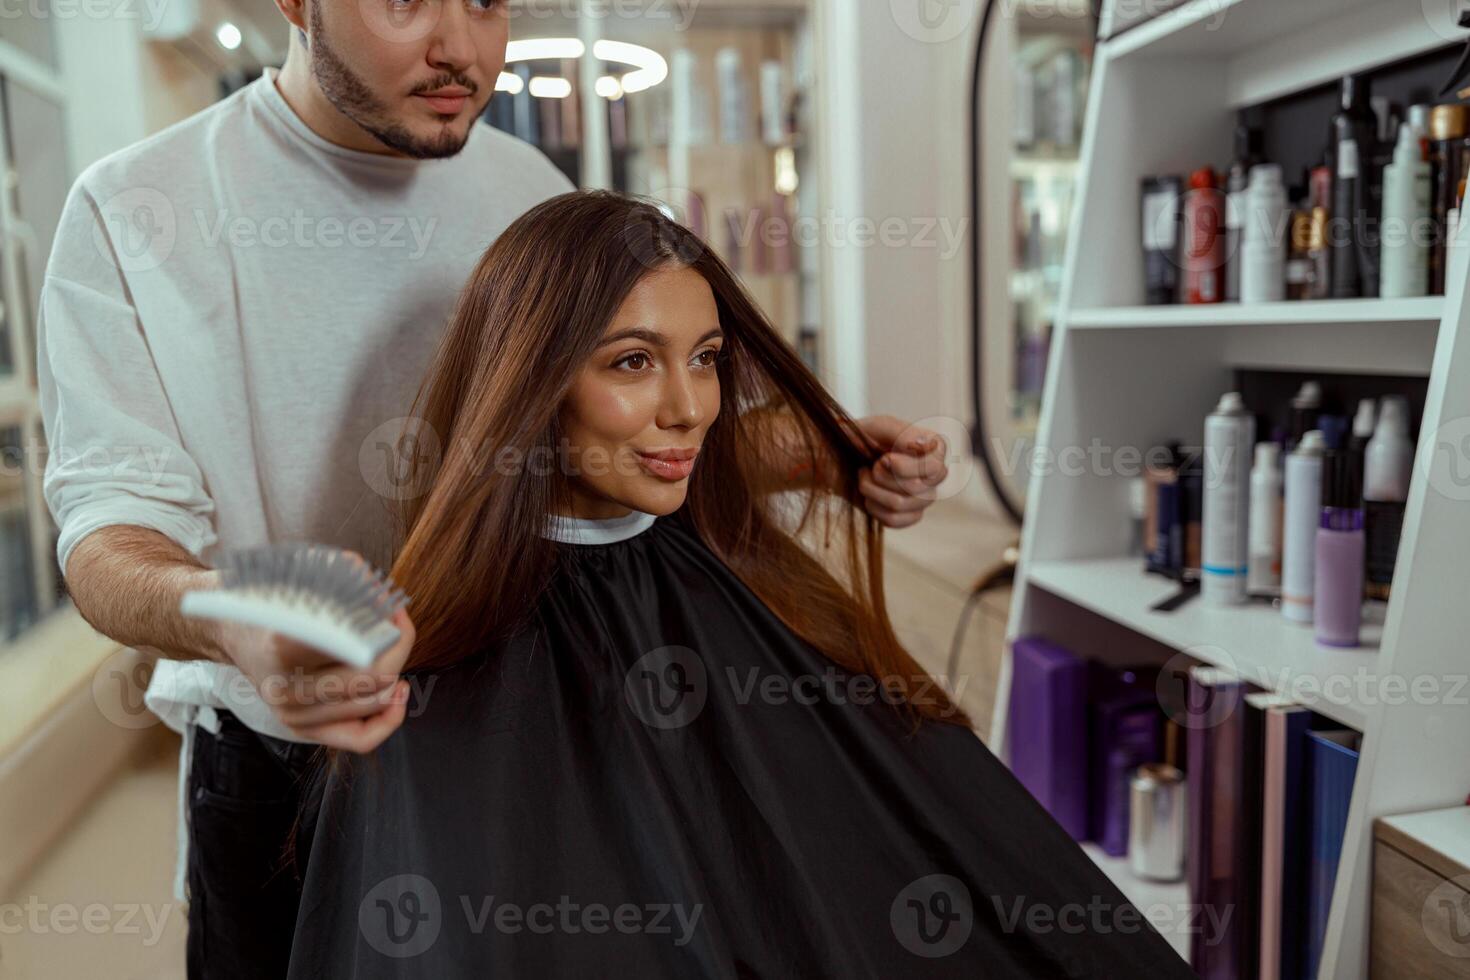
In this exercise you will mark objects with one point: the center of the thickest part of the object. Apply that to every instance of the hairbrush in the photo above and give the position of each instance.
(324, 597)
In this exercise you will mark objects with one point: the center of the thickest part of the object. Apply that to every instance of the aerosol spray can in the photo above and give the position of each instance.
(1204, 243)
(1406, 209)
(1230, 434)
(1301, 515)
(1263, 244)
(1264, 576)
(1247, 155)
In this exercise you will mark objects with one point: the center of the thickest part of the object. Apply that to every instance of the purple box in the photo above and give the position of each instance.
(1124, 731)
(1046, 729)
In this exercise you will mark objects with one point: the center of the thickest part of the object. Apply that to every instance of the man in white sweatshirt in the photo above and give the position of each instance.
(236, 315)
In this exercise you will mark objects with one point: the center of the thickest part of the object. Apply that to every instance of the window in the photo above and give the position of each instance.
(34, 178)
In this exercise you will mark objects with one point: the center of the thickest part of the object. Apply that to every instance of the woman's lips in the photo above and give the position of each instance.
(668, 466)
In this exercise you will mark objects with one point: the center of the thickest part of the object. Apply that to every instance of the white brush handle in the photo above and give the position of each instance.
(333, 640)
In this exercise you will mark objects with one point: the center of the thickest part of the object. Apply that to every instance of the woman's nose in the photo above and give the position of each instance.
(681, 403)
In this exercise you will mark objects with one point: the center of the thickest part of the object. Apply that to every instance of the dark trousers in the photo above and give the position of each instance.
(244, 799)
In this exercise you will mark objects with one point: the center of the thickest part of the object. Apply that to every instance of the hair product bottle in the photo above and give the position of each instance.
(1165, 526)
(1264, 574)
(1191, 515)
(1347, 281)
(1143, 519)
(1263, 245)
(734, 101)
(1354, 142)
(1320, 183)
(1061, 111)
(734, 239)
(1204, 245)
(1230, 432)
(1447, 128)
(1300, 516)
(1387, 468)
(1161, 239)
(1334, 429)
(1247, 155)
(1363, 424)
(1406, 235)
(1452, 219)
(1306, 405)
(1340, 543)
(773, 103)
(1418, 121)
(1299, 257)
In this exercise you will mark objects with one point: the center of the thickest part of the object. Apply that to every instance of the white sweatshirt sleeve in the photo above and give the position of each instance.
(114, 450)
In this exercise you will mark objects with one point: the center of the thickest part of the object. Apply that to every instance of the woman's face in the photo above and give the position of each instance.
(638, 411)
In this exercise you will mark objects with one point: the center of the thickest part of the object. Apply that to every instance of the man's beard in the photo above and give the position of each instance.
(355, 100)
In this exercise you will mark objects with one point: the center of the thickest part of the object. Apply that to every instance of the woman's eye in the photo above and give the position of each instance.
(709, 357)
(639, 357)
(485, 5)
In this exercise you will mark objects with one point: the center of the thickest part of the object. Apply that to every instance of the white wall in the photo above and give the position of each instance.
(174, 86)
(121, 87)
(895, 119)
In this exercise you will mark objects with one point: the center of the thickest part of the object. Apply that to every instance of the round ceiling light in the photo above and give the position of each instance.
(649, 68)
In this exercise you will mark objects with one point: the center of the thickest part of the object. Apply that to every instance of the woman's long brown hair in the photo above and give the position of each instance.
(486, 456)
(532, 314)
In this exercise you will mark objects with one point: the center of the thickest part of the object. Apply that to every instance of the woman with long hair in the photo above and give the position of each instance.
(660, 724)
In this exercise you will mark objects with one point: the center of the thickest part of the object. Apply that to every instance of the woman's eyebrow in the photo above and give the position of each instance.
(644, 334)
(651, 336)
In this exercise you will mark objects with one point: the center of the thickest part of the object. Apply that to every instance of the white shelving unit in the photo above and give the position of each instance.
(1262, 649)
(1125, 378)
(1423, 311)
(1145, 894)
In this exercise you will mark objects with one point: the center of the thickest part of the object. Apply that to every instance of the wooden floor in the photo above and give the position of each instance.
(100, 905)
(930, 570)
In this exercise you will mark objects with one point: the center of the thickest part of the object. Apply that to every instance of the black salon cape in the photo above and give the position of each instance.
(539, 816)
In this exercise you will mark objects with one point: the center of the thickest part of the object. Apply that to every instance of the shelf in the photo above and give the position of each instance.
(1226, 27)
(1162, 100)
(1420, 310)
(1252, 640)
(1278, 46)
(1169, 900)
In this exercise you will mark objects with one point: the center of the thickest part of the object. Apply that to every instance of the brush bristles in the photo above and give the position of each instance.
(316, 577)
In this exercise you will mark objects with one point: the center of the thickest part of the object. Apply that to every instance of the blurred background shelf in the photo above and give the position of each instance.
(1123, 377)
(1426, 310)
(1254, 640)
(727, 142)
(1270, 48)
